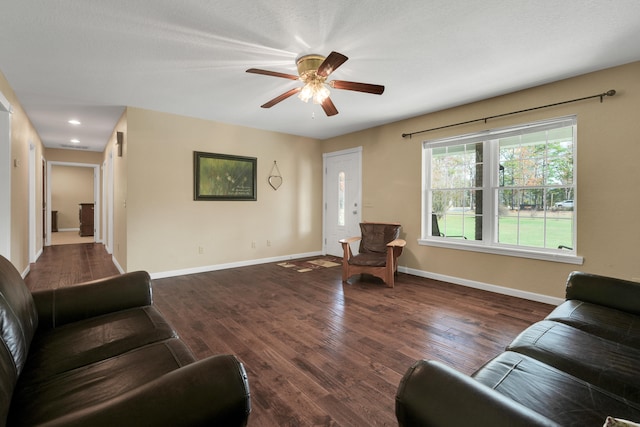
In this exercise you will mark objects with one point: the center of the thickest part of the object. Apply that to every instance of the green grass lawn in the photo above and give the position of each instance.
(525, 230)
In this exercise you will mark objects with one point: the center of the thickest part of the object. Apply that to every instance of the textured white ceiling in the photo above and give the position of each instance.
(89, 59)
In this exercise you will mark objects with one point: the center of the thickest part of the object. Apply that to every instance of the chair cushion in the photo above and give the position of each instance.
(369, 259)
(375, 236)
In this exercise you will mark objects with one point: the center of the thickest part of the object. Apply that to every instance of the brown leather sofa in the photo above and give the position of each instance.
(575, 368)
(100, 354)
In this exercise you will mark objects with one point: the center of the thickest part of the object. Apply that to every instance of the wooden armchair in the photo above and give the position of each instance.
(379, 250)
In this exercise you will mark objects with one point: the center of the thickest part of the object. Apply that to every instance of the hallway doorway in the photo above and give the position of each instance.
(69, 186)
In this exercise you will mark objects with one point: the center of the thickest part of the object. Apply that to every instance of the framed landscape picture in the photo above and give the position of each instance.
(224, 177)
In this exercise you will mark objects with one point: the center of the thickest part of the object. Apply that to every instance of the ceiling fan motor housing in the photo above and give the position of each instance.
(308, 65)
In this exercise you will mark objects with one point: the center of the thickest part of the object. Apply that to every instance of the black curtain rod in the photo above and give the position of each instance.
(484, 119)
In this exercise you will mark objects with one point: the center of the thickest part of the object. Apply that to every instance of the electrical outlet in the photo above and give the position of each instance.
(253, 245)
(200, 250)
(268, 242)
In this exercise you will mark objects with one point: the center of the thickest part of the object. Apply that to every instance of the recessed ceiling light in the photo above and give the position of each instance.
(75, 141)
(74, 122)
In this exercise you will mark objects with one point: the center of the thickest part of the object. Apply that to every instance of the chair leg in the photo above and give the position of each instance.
(345, 261)
(390, 268)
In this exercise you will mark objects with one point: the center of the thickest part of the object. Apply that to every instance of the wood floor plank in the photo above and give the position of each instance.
(318, 352)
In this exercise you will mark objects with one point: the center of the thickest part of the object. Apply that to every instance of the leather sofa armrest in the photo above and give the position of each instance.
(602, 290)
(213, 391)
(433, 394)
(72, 303)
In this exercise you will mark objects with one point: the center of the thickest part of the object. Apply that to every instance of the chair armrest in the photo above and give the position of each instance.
(433, 394)
(350, 239)
(602, 290)
(397, 243)
(72, 303)
(213, 391)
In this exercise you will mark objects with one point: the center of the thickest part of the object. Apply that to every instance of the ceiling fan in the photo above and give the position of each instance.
(313, 71)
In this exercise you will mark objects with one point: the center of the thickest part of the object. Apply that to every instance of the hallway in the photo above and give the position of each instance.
(65, 265)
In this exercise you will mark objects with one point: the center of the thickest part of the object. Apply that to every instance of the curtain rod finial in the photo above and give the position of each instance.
(610, 92)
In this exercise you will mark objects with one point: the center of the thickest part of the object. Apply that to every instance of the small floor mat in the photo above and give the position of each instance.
(313, 264)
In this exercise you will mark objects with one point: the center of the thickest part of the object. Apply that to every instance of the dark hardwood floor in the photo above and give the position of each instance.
(64, 265)
(318, 352)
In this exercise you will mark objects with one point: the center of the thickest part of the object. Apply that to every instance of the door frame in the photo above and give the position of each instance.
(96, 197)
(107, 199)
(33, 197)
(5, 177)
(325, 157)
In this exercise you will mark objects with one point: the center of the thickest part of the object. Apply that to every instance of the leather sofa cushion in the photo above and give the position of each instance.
(567, 400)
(84, 342)
(607, 364)
(18, 315)
(599, 320)
(42, 399)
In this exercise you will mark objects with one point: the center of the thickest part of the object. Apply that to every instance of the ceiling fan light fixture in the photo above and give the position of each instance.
(315, 90)
(314, 87)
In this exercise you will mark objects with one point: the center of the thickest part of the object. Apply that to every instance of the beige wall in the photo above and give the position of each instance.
(158, 227)
(165, 227)
(70, 186)
(73, 156)
(608, 234)
(24, 140)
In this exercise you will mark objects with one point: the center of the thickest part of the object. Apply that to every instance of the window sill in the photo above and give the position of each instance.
(522, 253)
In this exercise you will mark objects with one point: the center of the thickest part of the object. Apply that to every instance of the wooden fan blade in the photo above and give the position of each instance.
(329, 108)
(358, 87)
(272, 73)
(330, 63)
(281, 98)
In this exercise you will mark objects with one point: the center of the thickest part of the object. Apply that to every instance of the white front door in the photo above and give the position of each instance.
(342, 198)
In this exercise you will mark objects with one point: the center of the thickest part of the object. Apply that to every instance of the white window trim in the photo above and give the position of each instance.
(489, 199)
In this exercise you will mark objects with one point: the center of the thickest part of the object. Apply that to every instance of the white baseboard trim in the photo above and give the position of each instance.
(115, 262)
(420, 273)
(26, 271)
(484, 286)
(215, 267)
(68, 229)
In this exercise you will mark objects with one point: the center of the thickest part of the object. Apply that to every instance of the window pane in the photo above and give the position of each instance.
(459, 217)
(456, 196)
(456, 166)
(523, 220)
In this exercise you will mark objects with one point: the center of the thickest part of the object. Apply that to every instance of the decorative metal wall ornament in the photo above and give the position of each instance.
(275, 179)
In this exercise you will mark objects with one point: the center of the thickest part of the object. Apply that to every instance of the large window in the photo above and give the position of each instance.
(509, 191)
